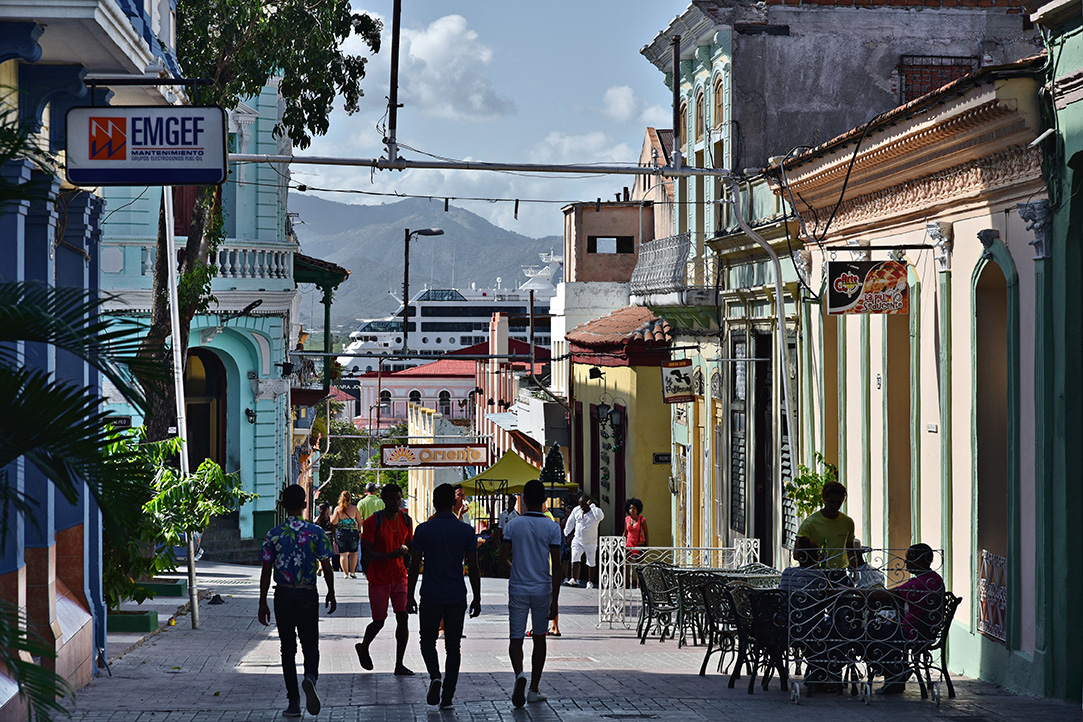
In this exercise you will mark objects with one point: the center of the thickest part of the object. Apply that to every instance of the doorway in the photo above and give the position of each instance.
(205, 407)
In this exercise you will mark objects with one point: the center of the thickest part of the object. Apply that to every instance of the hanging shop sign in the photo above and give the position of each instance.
(407, 455)
(146, 145)
(857, 287)
(677, 381)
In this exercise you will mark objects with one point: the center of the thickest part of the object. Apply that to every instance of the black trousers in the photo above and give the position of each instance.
(429, 618)
(297, 615)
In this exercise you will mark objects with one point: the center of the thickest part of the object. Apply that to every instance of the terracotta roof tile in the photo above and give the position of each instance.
(623, 326)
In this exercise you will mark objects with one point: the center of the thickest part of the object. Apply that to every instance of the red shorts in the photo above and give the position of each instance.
(379, 594)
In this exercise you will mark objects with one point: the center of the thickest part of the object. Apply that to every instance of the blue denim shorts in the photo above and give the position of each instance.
(537, 605)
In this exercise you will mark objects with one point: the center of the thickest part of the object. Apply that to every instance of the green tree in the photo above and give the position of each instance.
(553, 470)
(238, 45)
(342, 453)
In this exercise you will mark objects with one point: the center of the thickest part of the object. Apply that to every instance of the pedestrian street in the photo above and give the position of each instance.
(228, 670)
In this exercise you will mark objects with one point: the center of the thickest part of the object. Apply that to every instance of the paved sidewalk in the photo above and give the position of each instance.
(228, 670)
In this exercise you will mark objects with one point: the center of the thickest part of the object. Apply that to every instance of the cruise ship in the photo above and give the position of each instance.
(451, 319)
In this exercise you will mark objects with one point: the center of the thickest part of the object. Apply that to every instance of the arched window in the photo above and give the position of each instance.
(445, 403)
(415, 397)
(719, 104)
(684, 125)
(699, 116)
(385, 402)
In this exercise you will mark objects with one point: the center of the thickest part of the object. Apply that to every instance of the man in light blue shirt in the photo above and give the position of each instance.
(533, 586)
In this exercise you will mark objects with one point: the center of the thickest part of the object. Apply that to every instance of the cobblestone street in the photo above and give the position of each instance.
(229, 670)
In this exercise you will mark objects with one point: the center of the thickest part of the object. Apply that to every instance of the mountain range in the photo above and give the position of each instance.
(368, 241)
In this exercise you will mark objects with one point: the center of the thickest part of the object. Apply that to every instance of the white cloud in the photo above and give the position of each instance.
(442, 71)
(619, 104)
(657, 116)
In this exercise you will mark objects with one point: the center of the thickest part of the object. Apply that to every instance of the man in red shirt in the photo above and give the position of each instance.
(385, 542)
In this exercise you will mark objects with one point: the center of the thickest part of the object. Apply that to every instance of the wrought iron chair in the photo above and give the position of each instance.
(721, 629)
(661, 601)
(922, 651)
(691, 614)
(770, 636)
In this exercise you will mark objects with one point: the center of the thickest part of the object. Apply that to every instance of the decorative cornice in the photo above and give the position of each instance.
(982, 176)
(1068, 90)
(914, 148)
(1039, 219)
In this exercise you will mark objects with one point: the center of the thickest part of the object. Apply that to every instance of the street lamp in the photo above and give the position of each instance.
(406, 280)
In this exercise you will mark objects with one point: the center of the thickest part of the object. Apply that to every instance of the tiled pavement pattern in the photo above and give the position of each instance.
(229, 671)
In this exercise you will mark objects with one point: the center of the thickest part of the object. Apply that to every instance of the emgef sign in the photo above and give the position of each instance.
(151, 145)
(406, 455)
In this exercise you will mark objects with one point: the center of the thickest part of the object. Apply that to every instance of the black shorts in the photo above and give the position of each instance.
(347, 540)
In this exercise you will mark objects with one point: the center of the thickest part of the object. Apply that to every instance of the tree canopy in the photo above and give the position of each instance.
(239, 44)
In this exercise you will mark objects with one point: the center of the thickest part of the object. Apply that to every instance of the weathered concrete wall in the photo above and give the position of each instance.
(837, 67)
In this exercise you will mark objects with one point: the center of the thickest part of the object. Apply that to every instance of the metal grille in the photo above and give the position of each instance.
(789, 514)
(738, 469)
(921, 74)
(662, 265)
(993, 595)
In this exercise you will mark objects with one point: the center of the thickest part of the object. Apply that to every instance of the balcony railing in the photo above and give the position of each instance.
(253, 262)
(662, 266)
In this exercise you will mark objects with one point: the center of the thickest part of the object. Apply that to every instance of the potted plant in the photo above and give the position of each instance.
(803, 491)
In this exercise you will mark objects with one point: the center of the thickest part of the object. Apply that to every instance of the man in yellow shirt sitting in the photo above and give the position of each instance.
(829, 529)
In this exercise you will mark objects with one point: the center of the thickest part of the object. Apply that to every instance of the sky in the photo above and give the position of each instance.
(503, 81)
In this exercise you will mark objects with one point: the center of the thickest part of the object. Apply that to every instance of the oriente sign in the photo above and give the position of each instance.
(406, 455)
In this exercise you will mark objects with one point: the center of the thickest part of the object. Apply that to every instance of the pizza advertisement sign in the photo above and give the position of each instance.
(862, 287)
(152, 145)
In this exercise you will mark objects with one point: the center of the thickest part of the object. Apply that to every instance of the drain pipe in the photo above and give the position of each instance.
(780, 306)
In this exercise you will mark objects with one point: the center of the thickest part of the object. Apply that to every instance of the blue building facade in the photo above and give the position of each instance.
(49, 51)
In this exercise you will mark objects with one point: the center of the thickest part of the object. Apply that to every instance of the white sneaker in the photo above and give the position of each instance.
(569, 582)
(532, 696)
(590, 585)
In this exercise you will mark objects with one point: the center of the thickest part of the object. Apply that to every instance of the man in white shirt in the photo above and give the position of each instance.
(533, 587)
(581, 531)
(509, 513)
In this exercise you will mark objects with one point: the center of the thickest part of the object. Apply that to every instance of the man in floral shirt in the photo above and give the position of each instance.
(291, 552)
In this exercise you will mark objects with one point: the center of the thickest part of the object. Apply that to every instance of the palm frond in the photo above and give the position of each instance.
(58, 427)
(72, 320)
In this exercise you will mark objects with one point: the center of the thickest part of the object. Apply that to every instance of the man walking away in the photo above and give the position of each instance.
(385, 542)
(291, 551)
(442, 543)
(533, 586)
(582, 532)
(371, 502)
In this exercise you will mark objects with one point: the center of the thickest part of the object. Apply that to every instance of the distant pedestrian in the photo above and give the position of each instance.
(635, 537)
(291, 552)
(533, 587)
(347, 523)
(510, 512)
(581, 530)
(323, 521)
(371, 502)
(462, 506)
(386, 542)
(442, 543)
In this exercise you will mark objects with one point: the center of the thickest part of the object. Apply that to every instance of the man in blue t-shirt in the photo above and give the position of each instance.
(443, 543)
(291, 552)
(533, 586)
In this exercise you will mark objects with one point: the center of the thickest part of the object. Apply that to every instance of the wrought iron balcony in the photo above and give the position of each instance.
(662, 266)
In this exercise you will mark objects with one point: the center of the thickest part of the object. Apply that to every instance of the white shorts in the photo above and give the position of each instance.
(579, 549)
(538, 607)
